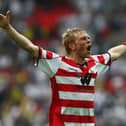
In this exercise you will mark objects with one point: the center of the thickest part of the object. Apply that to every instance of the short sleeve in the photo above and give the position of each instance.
(104, 58)
(48, 62)
(102, 63)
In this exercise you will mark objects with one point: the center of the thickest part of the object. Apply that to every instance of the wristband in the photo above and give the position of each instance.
(124, 43)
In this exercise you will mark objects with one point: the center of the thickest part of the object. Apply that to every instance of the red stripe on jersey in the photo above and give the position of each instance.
(91, 62)
(49, 55)
(69, 61)
(78, 119)
(123, 43)
(40, 52)
(77, 103)
(63, 72)
(76, 88)
(101, 59)
(109, 59)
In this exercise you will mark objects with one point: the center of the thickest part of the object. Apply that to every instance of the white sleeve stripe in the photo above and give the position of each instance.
(43, 53)
(107, 58)
(55, 55)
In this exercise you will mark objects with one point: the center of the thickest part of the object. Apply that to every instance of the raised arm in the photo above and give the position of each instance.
(117, 51)
(20, 40)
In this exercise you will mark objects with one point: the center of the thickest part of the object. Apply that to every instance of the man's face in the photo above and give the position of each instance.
(83, 44)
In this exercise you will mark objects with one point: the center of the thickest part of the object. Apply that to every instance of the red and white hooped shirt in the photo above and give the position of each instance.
(72, 95)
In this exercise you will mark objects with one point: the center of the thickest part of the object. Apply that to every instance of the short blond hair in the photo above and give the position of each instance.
(69, 36)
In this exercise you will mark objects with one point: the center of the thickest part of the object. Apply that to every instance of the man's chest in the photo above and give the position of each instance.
(76, 75)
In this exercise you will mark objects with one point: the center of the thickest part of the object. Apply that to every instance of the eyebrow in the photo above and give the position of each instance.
(84, 37)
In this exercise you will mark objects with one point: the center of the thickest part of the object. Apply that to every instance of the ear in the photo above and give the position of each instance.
(72, 46)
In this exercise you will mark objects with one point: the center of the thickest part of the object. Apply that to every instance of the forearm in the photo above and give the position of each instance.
(117, 51)
(21, 40)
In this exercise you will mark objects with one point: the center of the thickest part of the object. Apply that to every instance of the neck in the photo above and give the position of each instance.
(77, 59)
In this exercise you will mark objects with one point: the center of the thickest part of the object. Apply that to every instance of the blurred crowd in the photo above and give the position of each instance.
(25, 92)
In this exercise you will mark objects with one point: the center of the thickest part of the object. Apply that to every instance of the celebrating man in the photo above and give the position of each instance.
(72, 77)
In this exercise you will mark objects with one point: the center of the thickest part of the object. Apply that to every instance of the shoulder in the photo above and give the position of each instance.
(46, 54)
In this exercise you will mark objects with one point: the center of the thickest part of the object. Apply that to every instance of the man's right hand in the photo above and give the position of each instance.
(4, 20)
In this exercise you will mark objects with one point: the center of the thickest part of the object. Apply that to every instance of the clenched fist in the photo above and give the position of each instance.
(5, 20)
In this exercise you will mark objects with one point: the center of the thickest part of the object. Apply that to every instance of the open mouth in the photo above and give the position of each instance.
(89, 48)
